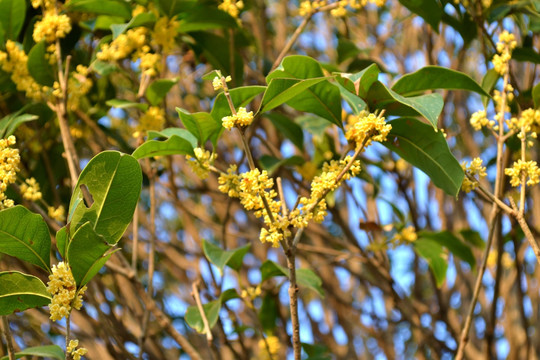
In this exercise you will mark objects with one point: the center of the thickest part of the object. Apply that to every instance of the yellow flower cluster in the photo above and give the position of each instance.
(472, 169)
(365, 128)
(527, 123)
(507, 43)
(251, 292)
(51, 27)
(340, 10)
(218, 84)
(497, 100)
(273, 348)
(75, 353)
(58, 214)
(14, 61)
(64, 292)
(232, 7)
(121, 47)
(405, 236)
(202, 162)
(164, 34)
(506, 260)
(242, 118)
(229, 183)
(479, 119)
(152, 119)
(30, 190)
(523, 168)
(9, 165)
(47, 4)
(466, 3)
(150, 62)
(79, 84)
(308, 7)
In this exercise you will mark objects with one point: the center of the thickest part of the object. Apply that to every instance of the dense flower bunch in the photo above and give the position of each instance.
(14, 61)
(340, 10)
(526, 124)
(479, 119)
(507, 43)
(523, 168)
(270, 352)
(405, 236)
(365, 128)
(58, 214)
(52, 26)
(202, 162)
(217, 83)
(125, 44)
(30, 190)
(472, 169)
(164, 34)
(242, 118)
(152, 119)
(64, 292)
(79, 84)
(75, 353)
(232, 7)
(307, 7)
(9, 165)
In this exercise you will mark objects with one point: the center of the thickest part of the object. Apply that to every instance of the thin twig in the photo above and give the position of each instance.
(293, 303)
(207, 330)
(8, 338)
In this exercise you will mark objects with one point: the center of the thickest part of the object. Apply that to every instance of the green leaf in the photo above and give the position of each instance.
(103, 68)
(429, 10)
(174, 7)
(168, 132)
(433, 253)
(62, 241)
(426, 149)
(472, 237)
(110, 7)
(452, 243)
(313, 124)
(269, 312)
(158, 89)
(360, 82)
(356, 103)
(526, 54)
(536, 96)
(316, 352)
(202, 125)
(488, 83)
(85, 252)
(203, 17)
(114, 181)
(25, 235)
(19, 292)
(125, 104)
(271, 163)
(346, 49)
(281, 90)
(10, 122)
(288, 128)
(142, 19)
(38, 65)
(12, 15)
(46, 351)
(435, 77)
(322, 99)
(211, 310)
(174, 145)
(220, 257)
(304, 277)
(429, 106)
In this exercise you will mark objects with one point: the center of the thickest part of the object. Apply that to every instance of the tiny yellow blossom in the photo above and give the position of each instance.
(232, 7)
(472, 169)
(9, 166)
(72, 349)
(58, 214)
(202, 162)
(479, 119)
(121, 47)
(164, 33)
(506, 44)
(64, 292)
(153, 119)
(242, 118)
(251, 292)
(269, 349)
(229, 183)
(218, 84)
(52, 27)
(519, 168)
(365, 128)
(30, 190)
(405, 236)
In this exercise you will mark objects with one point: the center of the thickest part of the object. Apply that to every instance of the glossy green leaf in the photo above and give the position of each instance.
(109, 7)
(288, 128)
(313, 124)
(435, 77)
(10, 123)
(12, 15)
(204, 17)
(202, 125)
(426, 149)
(25, 235)
(114, 181)
(142, 19)
(322, 99)
(360, 82)
(174, 7)
(174, 145)
(281, 90)
(472, 237)
(39, 66)
(19, 292)
(46, 351)
(429, 10)
(221, 258)
(536, 96)
(304, 277)
(526, 54)
(346, 49)
(452, 243)
(433, 253)
(316, 352)
(85, 253)
(269, 312)
(272, 164)
(168, 132)
(429, 106)
(355, 102)
(158, 89)
(62, 241)
(125, 104)
(488, 83)
(211, 310)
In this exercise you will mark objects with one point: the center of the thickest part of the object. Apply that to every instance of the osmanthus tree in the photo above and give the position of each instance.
(269, 179)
